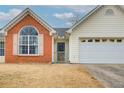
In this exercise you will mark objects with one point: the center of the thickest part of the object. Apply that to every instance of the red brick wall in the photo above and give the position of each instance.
(10, 58)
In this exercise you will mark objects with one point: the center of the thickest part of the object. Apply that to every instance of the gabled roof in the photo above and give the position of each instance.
(89, 14)
(85, 17)
(24, 13)
(61, 31)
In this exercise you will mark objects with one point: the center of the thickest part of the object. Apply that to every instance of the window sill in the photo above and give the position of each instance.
(28, 55)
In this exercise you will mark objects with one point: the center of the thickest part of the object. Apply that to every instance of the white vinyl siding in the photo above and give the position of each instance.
(97, 25)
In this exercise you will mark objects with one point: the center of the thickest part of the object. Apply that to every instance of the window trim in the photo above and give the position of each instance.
(28, 43)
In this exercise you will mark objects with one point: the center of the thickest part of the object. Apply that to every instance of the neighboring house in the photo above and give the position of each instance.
(97, 38)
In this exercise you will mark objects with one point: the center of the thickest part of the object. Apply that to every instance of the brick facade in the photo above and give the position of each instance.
(28, 20)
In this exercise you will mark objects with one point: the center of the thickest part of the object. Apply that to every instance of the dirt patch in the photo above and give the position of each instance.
(42, 75)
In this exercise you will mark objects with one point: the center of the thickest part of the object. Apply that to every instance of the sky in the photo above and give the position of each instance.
(56, 16)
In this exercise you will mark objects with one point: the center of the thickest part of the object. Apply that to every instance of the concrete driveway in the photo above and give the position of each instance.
(108, 75)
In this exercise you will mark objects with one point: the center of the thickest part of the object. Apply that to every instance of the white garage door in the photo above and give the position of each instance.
(102, 51)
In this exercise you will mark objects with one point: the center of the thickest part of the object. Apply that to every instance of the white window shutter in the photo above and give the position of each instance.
(15, 44)
(41, 44)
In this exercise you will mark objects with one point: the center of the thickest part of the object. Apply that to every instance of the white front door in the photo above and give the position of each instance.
(102, 51)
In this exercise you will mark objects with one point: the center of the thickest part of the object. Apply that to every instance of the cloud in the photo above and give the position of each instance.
(76, 12)
(4, 16)
(64, 16)
(81, 9)
(69, 24)
(77, 8)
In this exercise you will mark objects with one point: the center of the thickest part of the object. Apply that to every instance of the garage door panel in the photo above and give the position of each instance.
(102, 52)
(103, 61)
(105, 47)
(102, 55)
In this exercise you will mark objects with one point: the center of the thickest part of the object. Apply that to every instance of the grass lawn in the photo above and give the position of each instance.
(43, 75)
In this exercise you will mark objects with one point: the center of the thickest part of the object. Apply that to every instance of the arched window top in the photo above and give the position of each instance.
(28, 30)
(109, 12)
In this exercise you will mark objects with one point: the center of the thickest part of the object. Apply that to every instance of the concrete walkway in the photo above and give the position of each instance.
(108, 75)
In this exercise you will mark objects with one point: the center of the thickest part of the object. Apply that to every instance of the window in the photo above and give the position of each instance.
(61, 47)
(104, 40)
(111, 40)
(119, 40)
(28, 41)
(1, 48)
(83, 40)
(109, 12)
(90, 40)
(97, 40)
